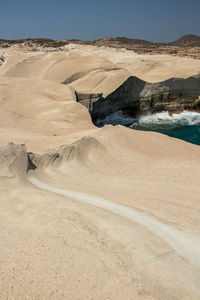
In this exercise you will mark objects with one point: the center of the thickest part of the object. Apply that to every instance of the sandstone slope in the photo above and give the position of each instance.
(89, 212)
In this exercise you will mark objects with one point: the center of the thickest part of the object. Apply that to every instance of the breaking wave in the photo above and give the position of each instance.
(165, 121)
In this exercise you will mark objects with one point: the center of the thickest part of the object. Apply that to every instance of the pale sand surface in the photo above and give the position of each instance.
(118, 218)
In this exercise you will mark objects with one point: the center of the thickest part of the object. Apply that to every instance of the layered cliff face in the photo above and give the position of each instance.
(136, 97)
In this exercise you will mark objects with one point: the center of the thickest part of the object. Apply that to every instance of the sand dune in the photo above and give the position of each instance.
(87, 212)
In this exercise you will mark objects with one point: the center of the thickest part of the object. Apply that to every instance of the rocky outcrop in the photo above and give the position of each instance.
(14, 161)
(136, 97)
(77, 151)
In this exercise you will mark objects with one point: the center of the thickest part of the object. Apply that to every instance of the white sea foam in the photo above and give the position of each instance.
(186, 118)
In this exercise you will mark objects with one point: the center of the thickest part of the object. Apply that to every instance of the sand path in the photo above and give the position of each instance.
(184, 243)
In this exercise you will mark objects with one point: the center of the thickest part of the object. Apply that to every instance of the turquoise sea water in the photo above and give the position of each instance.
(189, 134)
(184, 126)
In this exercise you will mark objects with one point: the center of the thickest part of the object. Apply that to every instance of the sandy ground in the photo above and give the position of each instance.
(113, 213)
(186, 244)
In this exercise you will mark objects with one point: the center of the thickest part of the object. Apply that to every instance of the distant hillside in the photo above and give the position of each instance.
(45, 42)
(121, 41)
(185, 41)
(189, 40)
(118, 42)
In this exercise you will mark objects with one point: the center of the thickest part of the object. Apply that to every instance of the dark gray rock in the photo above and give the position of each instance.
(136, 97)
(2, 58)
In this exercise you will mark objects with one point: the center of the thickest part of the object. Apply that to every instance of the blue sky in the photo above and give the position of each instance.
(154, 20)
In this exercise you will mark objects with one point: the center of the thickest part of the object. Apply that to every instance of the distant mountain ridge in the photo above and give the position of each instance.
(189, 40)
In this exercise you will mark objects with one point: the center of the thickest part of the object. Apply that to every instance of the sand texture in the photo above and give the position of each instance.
(87, 212)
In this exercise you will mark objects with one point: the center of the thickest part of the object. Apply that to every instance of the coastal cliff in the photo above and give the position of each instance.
(136, 97)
